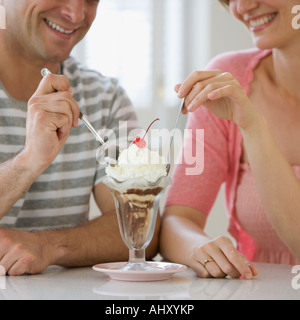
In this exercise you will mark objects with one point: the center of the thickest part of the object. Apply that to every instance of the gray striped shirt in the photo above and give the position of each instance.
(59, 198)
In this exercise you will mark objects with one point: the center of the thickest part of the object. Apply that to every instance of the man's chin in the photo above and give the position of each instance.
(57, 57)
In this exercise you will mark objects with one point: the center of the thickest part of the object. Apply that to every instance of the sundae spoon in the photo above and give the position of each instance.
(172, 137)
(111, 151)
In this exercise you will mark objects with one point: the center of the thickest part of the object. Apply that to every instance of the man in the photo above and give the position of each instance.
(48, 157)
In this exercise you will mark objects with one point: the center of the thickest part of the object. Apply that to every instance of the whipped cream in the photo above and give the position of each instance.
(136, 162)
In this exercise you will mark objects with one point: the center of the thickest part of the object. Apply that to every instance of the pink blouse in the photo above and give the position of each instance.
(222, 163)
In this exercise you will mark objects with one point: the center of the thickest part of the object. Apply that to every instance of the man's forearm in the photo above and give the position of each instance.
(15, 180)
(97, 241)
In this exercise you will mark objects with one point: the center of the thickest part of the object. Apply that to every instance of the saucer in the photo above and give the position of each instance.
(164, 271)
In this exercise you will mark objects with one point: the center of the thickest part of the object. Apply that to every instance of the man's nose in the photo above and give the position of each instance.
(74, 10)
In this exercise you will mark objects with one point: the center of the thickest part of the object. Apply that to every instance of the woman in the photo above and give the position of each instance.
(248, 104)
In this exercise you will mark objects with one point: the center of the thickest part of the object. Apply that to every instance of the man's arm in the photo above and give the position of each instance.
(15, 180)
(96, 241)
(49, 118)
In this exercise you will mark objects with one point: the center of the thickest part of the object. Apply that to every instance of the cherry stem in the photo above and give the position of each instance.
(149, 127)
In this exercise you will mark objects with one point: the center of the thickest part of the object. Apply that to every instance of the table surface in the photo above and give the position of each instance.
(273, 282)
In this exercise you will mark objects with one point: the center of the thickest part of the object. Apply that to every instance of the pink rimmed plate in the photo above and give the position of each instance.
(163, 272)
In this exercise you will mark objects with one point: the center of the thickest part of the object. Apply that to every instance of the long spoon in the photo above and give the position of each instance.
(109, 149)
(172, 137)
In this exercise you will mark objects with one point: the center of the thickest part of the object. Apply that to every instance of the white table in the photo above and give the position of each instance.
(273, 282)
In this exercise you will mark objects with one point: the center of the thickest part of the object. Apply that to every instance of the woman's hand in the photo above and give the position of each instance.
(219, 92)
(218, 258)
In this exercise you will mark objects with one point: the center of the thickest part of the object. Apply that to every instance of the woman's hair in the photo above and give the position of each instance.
(225, 3)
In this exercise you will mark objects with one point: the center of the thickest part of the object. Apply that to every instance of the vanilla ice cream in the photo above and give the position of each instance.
(136, 162)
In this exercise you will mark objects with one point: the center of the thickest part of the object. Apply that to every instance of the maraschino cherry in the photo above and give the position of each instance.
(140, 142)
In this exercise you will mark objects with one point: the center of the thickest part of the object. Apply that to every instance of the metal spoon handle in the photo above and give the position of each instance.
(45, 72)
(91, 128)
(176, 123)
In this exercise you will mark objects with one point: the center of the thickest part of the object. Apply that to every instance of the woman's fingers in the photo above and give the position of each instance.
(219, 258)
(201, 97)
(205, 86)
(235, 257)
(193, 79)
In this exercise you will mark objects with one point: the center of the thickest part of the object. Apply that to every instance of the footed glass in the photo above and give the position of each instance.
(137, 203)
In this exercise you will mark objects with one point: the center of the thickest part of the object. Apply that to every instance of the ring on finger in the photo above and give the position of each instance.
(207, 261)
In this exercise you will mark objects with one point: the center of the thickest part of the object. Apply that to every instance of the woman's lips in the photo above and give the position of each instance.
(261, 22)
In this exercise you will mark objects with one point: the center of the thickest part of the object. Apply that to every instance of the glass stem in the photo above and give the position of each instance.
(137, 256)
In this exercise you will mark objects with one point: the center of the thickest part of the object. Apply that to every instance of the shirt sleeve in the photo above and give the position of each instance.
(202, 165)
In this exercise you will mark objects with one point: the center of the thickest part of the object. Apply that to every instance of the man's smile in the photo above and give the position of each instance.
(59, 28)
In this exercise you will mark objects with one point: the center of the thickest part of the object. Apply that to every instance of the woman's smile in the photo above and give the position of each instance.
(261, 22)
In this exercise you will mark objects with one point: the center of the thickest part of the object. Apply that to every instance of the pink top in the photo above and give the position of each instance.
(222, 157)
(252, 218)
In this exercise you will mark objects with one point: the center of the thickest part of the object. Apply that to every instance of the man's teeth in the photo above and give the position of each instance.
(58, 28)
(261, 21)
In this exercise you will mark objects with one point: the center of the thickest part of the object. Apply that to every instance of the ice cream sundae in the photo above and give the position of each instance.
(138, 161)
(136, 183)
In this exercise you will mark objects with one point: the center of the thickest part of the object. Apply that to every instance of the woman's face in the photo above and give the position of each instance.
(269, 21)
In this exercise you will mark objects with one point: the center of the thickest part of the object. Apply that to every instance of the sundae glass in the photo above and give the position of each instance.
(137, 181)
(137, 203)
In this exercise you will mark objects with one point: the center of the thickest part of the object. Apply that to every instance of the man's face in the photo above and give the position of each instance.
(47, 30)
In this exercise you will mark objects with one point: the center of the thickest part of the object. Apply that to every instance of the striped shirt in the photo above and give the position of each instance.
(60, 196)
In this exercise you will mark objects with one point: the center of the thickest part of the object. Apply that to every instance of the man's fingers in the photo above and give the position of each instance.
(52, 83)
(57, 102)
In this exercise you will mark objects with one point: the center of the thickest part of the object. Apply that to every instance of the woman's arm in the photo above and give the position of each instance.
(277, 184)
(278, 187)
(184, 241)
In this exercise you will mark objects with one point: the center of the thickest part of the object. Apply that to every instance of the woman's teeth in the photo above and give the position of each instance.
(58, 28)
(261, 21)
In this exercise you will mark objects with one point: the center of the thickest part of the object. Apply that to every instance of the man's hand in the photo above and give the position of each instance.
(23, 252)
(51, 113)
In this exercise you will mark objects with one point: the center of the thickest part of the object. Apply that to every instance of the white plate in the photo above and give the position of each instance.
(165, 272)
